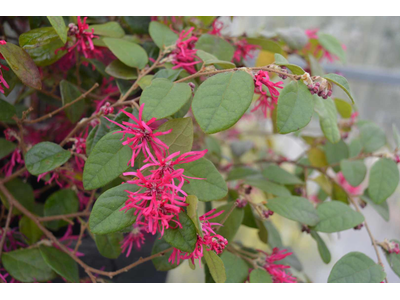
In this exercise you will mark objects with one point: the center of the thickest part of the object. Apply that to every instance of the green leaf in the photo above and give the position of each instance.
(236, 269)
(137, 24)
(248, 218)
(181, 137)
(110, 29)
(381, 208)
(30, 230)
(162, 35)
(45, 157)
(241, 173)
(69, 92)
(184, 238)
(6, 147)
(216, 46)
(106, 216)
(267, 45)
(331, 44)
(343, 107)
(41, 44)
(268, 187)
(355, 147)
(282, 61)
(145, 81)
(129, 53)
(96, 134)
(60, 203)
(21, 191)
(27, 265)
(213, 187)
(108, 159)
(294, 208)
(341, 82)
(354, 171)
(336, 216)
(372, 137)
(61, 263)
(279, 175)
(22, 65)
(322, 248)
(396, 136)
(394, 260)
(356, 267)
(336, 152)
(260, 276)
(215, 266)
(222, 99)
(118, 69)
(383, 180)
(210, 59)
(169, 74)
(231, 225)
(164, 98)
(192, 212)
(295, 107)
(109, 245)
(327, 113)
(161, 263)
(59, 26)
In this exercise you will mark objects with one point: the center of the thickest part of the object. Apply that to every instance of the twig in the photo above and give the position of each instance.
(49, 115)
(3, 238)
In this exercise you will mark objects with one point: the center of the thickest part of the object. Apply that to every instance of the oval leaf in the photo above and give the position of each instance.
(356, 267)
(164, 98)
(279, 175)
(294, 208)
(216, 46)
(184, 238)
(215, 266)
(107, 160)
(69, 92)
(341, 82)
(336, 216)
(181, 137)
(372, 137)
(221, 100)
(327, 113)
(260, 276)
(109, 245)
(110, 29)
(59, 26)
(118, 69)
(354, 171)
(106, 216)
(45, 157)
(383, 180)
(295, 107)
(162, 35)
(129, 53)
(60, 203)
(212, 187)
(322, 248)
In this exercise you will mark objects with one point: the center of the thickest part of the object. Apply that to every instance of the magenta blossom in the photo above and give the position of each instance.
(209, 240)
(319, 49)
(15, 161)
(140, 136)
(243, 50)
(266, 101)
(278, 273)
(134, 238)
(352, 190)
(184, 55)
(217, 26)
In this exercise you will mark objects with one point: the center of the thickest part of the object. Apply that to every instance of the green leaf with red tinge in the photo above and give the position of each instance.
(22, 65)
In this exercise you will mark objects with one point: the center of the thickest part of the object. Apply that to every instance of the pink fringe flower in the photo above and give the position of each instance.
(243, 50)
(15, 161)
(210, 241)
(278, 273)
(184, 55)
(319, 49)
(217, 26)
(134, 238)
(140, 136)
(265, 101)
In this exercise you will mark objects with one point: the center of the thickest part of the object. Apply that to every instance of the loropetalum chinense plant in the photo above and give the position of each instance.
(139, 130)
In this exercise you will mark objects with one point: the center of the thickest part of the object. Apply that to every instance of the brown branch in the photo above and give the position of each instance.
(64, 217)
(3, 237)
(49, 115)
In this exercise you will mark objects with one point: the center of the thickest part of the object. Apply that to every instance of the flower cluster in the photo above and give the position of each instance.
(3, 83)
(184, 54)
(265, 101)
(81, 39)
(278, 273)
(208, 240)
(243, 50)
(140, 137)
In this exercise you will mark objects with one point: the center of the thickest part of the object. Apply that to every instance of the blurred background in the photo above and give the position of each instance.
(373, 71)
